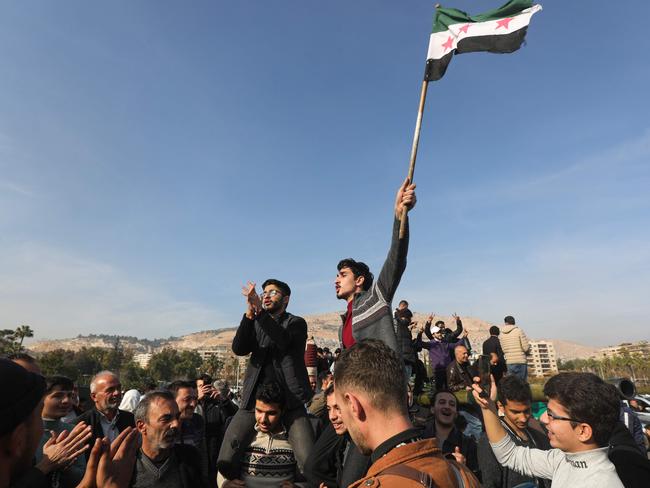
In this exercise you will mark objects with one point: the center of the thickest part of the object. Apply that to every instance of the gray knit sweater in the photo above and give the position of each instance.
(372, 316)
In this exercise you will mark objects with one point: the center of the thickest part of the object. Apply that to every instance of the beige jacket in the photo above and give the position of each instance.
(514, 343)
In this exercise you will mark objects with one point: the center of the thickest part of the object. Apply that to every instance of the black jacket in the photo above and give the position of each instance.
(277, 345)
(494, 475)
(335, 461)
(460, 375)
(456, 438)
(403, 333)
(92, 417)
(632, 467)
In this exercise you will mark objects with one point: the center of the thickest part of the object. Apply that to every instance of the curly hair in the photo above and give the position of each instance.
(358, 269)
(271, 392)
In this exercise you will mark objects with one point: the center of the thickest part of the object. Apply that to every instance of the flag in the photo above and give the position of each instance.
(501, 30)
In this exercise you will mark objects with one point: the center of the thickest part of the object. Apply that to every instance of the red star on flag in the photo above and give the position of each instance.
(503, 23)
(464, 28)
(449, 43)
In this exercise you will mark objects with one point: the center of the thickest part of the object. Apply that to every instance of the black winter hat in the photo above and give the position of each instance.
(23, 391)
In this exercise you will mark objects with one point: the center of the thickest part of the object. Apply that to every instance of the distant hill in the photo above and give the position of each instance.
(323, 327)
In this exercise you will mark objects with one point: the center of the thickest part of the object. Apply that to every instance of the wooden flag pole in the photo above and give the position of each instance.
(414, 152)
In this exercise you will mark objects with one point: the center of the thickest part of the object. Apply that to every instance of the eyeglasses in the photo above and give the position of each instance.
(552, 416)
(270, 293)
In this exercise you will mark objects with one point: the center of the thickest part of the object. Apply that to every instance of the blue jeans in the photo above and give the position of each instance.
(519, 370)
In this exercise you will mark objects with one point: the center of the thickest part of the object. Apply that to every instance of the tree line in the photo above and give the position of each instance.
(164, 366)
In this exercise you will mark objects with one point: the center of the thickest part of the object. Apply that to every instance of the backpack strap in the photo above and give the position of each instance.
(404, 471)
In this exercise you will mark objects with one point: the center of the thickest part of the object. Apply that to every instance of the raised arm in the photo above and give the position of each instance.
(524, 460)
(459, 327)
(245, 341)
(395, 264)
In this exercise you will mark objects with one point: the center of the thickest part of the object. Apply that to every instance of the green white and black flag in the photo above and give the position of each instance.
(501, 30)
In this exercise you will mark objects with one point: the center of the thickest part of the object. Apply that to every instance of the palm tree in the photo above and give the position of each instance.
(22, 332)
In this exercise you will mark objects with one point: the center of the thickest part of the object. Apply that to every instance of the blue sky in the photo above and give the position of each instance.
(155, 155)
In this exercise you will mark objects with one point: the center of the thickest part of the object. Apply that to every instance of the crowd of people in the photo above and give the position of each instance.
(355, 418)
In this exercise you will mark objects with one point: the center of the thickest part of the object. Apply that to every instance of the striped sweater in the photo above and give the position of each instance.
(372, 316)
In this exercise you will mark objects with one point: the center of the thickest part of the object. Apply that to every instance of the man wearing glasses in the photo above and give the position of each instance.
(581, 416)
(276, 341)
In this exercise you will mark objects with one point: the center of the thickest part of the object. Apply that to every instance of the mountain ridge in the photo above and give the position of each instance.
(322, 327)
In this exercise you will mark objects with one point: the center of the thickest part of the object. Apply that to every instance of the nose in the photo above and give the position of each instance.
(174, 424)
(544, 418)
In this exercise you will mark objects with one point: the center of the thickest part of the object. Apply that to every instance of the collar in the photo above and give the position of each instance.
(104, 418)
(597, 454)
(280, 432)
(406, 437)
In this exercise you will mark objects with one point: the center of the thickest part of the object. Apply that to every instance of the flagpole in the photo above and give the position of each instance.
(414, 152)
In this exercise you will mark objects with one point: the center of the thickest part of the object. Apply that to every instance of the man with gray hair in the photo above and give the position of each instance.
(160, 462)
(105, 418)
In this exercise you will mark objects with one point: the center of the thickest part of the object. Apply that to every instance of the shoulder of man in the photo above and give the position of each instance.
(187, 454)
(125, 419)
(407, 465)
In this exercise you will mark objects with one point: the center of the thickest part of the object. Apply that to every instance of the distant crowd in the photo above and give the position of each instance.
(368, 415)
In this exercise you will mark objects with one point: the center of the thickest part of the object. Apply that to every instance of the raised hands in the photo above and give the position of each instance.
(405, 198)
(61, 450)
(252, 299)
(111, 466)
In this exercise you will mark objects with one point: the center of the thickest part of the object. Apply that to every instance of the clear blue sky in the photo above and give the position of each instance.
(155, 155)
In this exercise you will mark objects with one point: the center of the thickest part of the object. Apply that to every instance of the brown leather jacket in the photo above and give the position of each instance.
(423, 456)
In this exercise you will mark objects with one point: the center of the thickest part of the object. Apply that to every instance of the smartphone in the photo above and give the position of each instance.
(484, 375)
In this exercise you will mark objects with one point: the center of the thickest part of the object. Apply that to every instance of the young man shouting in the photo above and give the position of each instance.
(369, 303)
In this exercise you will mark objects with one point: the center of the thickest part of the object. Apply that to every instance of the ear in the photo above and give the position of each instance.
(356, 406)
(358, 281)
(93, 397)
(500, 406)
(285, 300)
(585, 432)
(141, 426)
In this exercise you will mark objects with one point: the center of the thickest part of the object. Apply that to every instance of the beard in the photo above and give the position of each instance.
(360, 440)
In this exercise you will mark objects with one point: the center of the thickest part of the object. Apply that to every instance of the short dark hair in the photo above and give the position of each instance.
(206, 378)
(282, 286)
(494, 330)
(358, 269)
(271, 392)
(404, 302)
(174, 386)
(514, 389)
(330, 389)
(510, 320)
(440, 392)
(141, 412)
(588, 399)
(440, 324)
(374, 368)
(63, 381)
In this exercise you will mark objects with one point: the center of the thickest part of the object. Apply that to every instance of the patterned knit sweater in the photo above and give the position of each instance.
(267, 462)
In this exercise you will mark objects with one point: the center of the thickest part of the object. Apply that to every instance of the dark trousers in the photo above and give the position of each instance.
(241, 432)
(440, 379)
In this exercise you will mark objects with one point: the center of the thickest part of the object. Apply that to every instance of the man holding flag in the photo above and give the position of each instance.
(369, 302)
